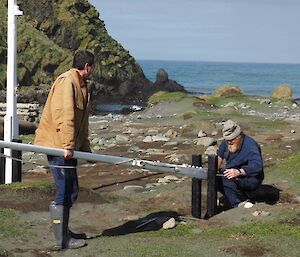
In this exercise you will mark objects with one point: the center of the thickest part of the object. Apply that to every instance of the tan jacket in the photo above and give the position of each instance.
(64, 122)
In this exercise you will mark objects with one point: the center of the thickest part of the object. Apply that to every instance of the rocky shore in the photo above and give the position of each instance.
(171, 131)
(119, 200)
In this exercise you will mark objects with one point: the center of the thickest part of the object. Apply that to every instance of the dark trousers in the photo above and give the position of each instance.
(65, 179)
(235, 189)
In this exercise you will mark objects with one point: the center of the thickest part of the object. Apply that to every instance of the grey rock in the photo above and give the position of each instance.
(206, 141)
(161, 76)
(122, 139)
(152, 132)
(171, 178)
(171, 223)
(176, 158)
(171, 133)
(134, 149)
(214, 133)
(148, 139)
(153, 151)
(172, 143)
(202, 133)
(160, 138)
(244, 106)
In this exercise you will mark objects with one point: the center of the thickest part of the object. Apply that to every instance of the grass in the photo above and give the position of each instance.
(165, 96)
(5, 253)
(287, 169)
(10, 224)
(252, 239)
(257, 230)
(45, 186)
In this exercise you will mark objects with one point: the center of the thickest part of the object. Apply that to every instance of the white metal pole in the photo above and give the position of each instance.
(11, 123)
(183, 169)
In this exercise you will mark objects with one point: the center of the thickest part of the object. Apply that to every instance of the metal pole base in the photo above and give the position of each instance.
(16, 165)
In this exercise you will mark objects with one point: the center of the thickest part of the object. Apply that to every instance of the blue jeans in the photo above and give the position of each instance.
(65, 179)
(235, 189)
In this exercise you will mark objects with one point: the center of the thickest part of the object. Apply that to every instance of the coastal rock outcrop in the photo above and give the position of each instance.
(163, 83)
(50, 32)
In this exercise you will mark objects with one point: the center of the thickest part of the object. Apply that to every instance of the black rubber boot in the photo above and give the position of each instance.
(60, 220)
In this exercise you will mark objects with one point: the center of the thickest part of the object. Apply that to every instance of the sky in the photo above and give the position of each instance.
(266, 31)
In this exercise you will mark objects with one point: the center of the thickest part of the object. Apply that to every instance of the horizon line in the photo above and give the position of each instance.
(210, 61)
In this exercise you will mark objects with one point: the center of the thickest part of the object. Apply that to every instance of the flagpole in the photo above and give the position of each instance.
(11, 122)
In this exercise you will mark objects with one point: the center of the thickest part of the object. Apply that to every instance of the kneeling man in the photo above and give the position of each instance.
(243, 170)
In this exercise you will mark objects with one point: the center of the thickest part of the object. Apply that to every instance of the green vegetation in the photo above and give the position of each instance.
(44, 186)
(5, 253)
(10, 225)
(253, 239)
(179, 232)
(27, 138)
(165, 96)
(256, 230)
(287, 169)
(48, 34)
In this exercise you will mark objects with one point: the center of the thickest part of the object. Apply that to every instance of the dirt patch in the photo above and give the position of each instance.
(293, 221)
(35, 253)
(246, 250)
(33, 199)
(26, 200)
(286, 197)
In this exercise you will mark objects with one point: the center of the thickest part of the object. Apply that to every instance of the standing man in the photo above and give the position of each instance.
(64, 124)
(244, 165)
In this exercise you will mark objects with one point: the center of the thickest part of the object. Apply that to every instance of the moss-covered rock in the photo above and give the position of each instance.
(165, 96)
(228, 90)
(282, 92)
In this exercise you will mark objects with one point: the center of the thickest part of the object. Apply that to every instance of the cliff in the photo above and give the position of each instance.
(50, 32)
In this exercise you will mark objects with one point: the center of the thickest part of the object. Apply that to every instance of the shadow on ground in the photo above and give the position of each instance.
(151, 222)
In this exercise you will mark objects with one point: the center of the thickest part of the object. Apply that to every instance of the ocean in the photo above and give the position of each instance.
(205, 77)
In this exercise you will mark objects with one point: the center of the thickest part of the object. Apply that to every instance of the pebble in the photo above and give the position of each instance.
(261, 213)
(148, 139)
(202, 133)
(248, 205)
(171, 223)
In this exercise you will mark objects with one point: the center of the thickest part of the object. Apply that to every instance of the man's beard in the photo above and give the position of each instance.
(234, 148)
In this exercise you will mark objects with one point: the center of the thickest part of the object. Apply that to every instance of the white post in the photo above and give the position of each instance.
(11, 122)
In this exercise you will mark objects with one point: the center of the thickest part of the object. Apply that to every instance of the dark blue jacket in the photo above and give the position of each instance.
(248, 157)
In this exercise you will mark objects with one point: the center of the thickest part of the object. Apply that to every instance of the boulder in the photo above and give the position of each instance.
(163, 83)
(228, 90)
(282, 92)
(161, 76)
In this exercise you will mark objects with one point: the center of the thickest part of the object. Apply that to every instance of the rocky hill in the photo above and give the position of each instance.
(50, 32)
